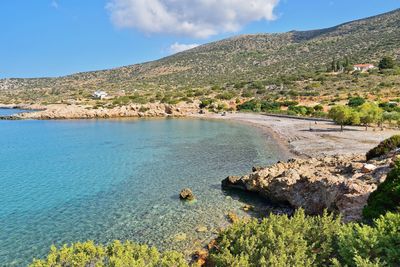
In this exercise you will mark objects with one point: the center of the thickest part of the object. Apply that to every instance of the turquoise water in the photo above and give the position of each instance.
(67, 181)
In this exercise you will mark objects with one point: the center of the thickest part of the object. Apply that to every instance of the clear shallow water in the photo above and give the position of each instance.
(67, 181)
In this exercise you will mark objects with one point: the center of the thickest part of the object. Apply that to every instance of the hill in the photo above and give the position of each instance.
(246, 58)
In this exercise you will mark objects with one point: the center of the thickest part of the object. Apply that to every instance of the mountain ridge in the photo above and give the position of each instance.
(249, 57)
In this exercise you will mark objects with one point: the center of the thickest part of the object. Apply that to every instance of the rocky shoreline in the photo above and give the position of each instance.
(339, 184)
(64, 111)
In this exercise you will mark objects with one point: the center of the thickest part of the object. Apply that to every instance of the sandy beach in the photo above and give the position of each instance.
(324, 138)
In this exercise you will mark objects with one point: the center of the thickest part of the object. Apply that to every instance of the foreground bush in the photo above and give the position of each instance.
(116, 254)
(364, 245)
(278, 241)
(309, 241)
(384, 147)
(386, 197)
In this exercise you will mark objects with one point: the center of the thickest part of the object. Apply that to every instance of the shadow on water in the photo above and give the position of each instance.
(258, 206)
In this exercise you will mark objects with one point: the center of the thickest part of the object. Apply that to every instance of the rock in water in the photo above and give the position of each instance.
(201, 229)
(186, 194)
(180, 237)
(233, 217)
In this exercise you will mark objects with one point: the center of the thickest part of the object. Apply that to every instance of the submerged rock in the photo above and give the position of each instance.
(180, 237)
(233, 217)
(201, 229)
(186, 194)
(336, 183)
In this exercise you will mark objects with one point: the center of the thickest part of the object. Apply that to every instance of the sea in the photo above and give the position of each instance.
(64, 181)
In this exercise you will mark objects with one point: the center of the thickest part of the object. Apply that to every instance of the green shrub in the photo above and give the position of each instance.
(387, 63)
(377, 245)
(115, 254)
(309, 241)
(356, 101)
(252, 105)
(301, 110)
(278, 241)
(248, 94)
(226, 96)
(384, 147)
(389, 107)
(320, 114)
(386, 197)
(288, 103)
(206, 103)
(318, 108)
(270, 106)
(257, 105)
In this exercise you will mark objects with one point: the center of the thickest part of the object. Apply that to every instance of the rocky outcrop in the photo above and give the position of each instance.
(62, 111)
(186, 194)
(335, 183)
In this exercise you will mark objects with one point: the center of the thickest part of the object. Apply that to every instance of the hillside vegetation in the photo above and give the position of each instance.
(290, 64)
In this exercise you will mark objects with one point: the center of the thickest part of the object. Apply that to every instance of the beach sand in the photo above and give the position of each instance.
(324, 138)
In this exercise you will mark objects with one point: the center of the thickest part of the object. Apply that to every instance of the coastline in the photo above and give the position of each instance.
(294, 137)
(324, 139)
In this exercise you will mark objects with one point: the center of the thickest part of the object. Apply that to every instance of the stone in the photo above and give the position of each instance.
(248, 207)
(186, 194)
(368, 168)
(257, 168)
(200, 257)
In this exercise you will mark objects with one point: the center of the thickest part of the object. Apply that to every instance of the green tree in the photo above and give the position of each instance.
(340, 115)
(370, 113)
(354, 118)
(386, 63)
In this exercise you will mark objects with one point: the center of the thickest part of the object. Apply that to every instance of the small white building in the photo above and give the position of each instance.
(100, 94)
(363, 67)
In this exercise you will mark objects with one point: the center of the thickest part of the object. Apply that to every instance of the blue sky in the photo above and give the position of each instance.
(41, 38)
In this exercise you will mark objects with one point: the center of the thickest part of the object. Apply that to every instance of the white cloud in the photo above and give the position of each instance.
(194, 18)
(54, 4)
(177, 47)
